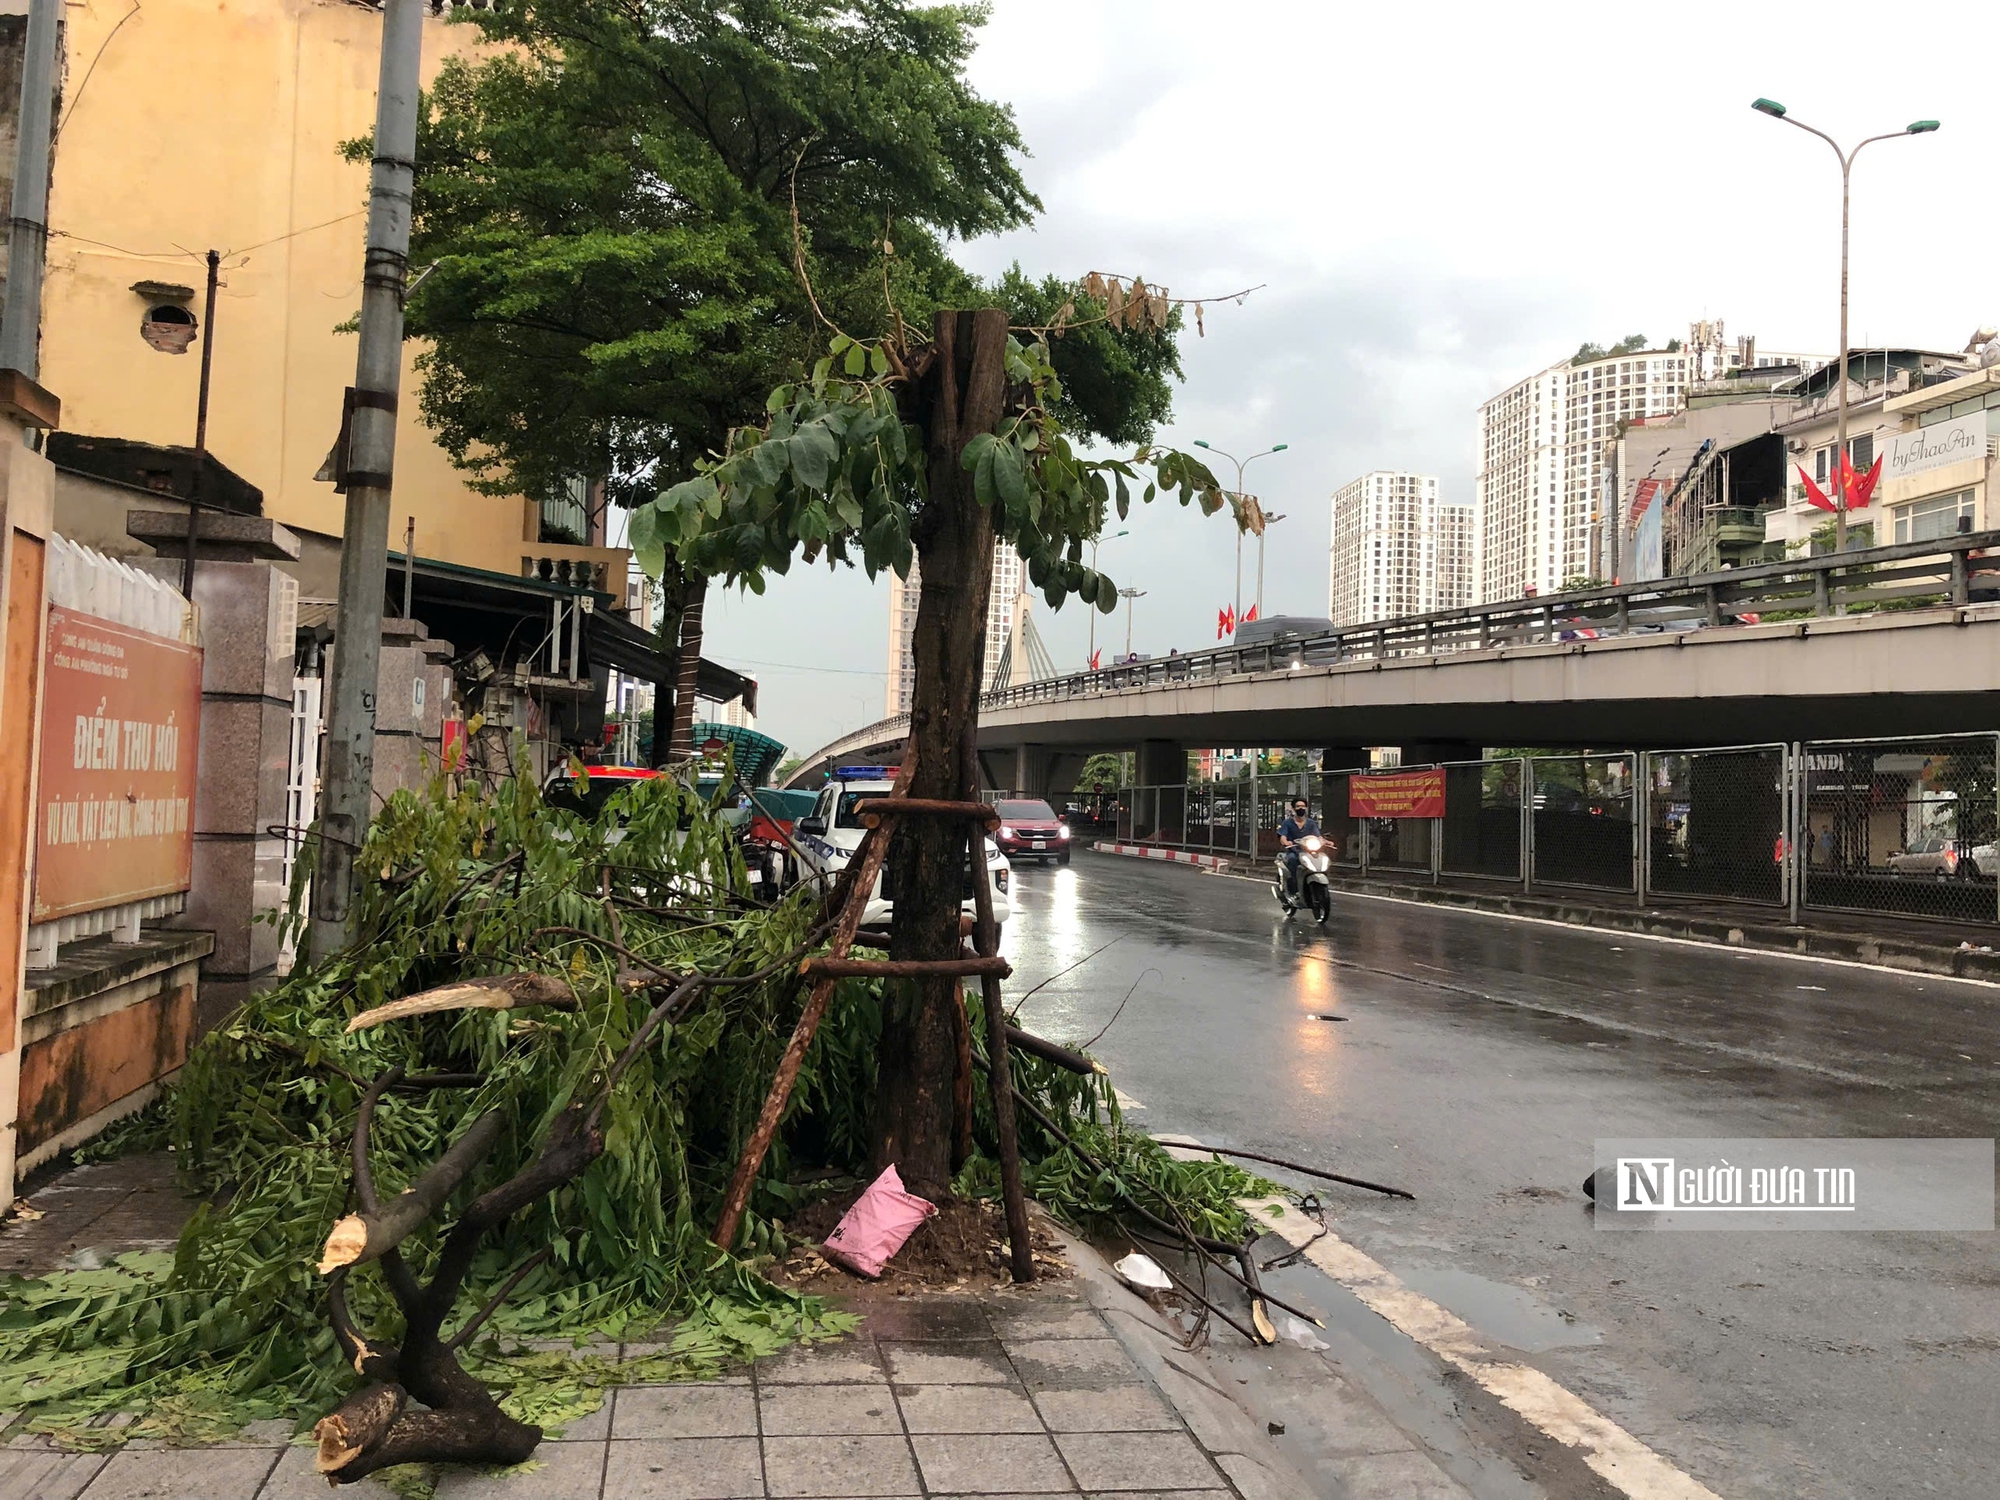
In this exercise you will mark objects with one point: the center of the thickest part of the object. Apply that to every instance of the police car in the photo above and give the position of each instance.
(828, 837)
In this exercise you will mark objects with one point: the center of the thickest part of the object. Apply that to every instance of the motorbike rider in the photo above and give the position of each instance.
(1298, 824)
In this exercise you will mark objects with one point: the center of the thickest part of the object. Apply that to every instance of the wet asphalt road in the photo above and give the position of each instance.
(1480, 1058)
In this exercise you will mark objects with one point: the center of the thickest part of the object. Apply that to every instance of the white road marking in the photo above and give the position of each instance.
(1125, 1100)
(1628, 1465)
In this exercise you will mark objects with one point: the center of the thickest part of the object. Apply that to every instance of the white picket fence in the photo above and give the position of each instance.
(91, 583)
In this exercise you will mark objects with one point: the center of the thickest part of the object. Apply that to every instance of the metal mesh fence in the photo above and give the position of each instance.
(1901, 826)
(1583, 829)
(1482, 819)
(1716, 823)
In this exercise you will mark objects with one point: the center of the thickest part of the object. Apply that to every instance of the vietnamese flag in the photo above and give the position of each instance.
(1814, 495)
(1251, 616)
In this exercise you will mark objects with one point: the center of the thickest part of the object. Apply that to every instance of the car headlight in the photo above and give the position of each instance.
(1005, 832)
(1063, 832)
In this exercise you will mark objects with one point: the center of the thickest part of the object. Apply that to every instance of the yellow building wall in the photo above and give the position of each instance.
(188, 125)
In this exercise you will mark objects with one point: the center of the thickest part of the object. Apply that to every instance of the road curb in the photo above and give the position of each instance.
(1871, 949)
(1223, 1421)
(1212, 862)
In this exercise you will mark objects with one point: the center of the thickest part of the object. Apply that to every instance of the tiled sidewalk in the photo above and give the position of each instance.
(1002, 1396)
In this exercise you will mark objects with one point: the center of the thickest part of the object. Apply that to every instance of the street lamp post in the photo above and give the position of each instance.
(1128, 595)
(1241, 465)
(1776, 111)
(1269, 522)
(1093, 568)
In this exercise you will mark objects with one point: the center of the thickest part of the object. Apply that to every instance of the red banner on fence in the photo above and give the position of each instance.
(1396, 794)
(121, 712)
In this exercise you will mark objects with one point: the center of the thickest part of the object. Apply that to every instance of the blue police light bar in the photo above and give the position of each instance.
(865, 773)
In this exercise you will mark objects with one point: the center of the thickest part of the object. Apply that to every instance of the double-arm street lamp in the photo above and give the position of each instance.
(1241, 465)
(1094, 541)
(1776, 111)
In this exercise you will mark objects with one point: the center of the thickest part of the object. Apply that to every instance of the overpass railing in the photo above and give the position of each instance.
(1947, 571)
(1907, 826)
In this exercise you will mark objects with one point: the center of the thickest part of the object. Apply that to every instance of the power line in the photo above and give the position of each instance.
(792, 666)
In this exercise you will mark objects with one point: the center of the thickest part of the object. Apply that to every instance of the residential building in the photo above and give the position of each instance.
(1542, 458)
(1548, 462)
(1006, 607)
(736, 713)
(148, 173)
(1398, 549)
(1922, 412)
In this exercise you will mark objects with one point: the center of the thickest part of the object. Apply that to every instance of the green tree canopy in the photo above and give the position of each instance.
(609, 200)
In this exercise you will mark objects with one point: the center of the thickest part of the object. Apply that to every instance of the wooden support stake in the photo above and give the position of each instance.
(873, 813)
(986, 938)
(866, 866)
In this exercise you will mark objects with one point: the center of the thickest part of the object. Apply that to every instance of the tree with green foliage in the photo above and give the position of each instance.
(615, 202)
(897, 451)
(1632, 343)
(1103, 772)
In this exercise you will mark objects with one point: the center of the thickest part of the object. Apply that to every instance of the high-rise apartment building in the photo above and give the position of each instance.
(1005, 604)
(1547, 460)
(1397, 549)
(1544, 446)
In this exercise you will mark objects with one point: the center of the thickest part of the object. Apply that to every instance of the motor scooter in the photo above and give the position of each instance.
(1316, 890)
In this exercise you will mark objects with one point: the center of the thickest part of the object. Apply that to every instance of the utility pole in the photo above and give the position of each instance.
(1128, 595)
(1092, 648)
(21, 324)
(201, 422)
(371, 454)
(1241, 465)
(1269, 522)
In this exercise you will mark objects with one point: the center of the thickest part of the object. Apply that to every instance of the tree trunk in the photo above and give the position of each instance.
(963, 395)
(687, 667)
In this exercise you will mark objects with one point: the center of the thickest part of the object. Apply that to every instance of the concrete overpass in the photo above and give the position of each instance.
(1660, 665)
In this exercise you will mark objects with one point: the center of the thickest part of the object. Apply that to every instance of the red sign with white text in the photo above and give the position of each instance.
(121, 713)
(1396, 794)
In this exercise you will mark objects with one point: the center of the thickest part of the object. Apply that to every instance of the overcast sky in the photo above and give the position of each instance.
(1439, 201)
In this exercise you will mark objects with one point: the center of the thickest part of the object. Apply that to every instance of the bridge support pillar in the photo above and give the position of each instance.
(1031, 775)
(1159, 811)
(999, 768)
(1160, 763)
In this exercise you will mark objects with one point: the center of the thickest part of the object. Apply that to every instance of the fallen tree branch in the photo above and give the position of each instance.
(371, 1234)
(1049, 1051)
(501, 992)
(1292, 1166)
(472, 1324)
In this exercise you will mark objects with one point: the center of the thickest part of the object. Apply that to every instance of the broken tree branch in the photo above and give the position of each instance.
(370, 1234)
(1292, 1166)
(501, 992)
(1049, 1051)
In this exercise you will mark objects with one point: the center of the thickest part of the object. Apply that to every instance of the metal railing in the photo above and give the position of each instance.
(1896, 827)
(1941, 573)
(1936, 572)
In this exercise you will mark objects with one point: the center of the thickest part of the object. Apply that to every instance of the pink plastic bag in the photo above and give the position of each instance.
(872, 1231)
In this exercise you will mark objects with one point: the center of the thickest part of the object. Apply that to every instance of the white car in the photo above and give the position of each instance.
(828, 837)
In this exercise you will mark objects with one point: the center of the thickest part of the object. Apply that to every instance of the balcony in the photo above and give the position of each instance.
(604, 569)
